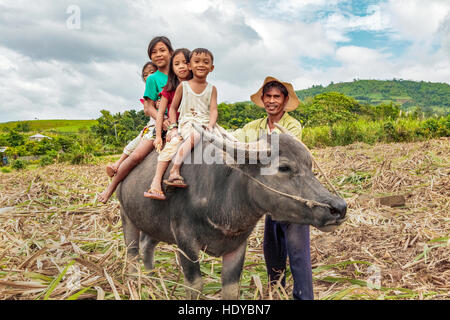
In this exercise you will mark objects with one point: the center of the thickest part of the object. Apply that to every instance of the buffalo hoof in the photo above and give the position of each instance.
(194, 289)
(133, 265)
(148, 262)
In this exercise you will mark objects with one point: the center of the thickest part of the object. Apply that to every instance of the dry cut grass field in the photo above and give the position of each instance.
(55, 243)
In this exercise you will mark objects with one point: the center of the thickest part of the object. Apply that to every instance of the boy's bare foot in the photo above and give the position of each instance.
(104, 196)
(111, 169)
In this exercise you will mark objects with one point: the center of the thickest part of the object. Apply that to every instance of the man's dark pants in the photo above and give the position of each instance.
(283, 239)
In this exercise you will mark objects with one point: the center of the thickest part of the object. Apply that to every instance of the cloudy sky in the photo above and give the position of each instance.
(69, 59)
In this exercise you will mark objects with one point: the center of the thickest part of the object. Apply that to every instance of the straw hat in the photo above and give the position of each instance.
(292, 103)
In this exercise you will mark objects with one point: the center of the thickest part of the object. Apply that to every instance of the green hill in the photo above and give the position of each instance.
(431, 97)
(50, 125)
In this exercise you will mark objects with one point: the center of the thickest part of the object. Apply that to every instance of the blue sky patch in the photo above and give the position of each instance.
(376, 40)
(308, 63)
(358, 7)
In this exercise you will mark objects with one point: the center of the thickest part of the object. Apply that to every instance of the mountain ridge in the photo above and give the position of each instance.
(430, 96)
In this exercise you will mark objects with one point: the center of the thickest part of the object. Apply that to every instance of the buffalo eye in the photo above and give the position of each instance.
(284, 169)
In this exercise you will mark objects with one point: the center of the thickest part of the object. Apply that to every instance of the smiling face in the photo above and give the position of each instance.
(201, 65)
(180, 66)
(274, 101)
(160, 55)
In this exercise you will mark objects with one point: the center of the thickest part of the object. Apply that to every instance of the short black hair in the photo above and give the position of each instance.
(275, 84)
(155, 40)
(200, 51)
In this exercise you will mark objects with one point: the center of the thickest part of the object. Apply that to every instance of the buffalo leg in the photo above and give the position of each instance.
(232, 264)
(131, 235)
(147, 245)
(191, 269)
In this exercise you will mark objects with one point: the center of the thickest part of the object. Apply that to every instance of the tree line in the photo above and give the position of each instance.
(328, 118)
(323, 110)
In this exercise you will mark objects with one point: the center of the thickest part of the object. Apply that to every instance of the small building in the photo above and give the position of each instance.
(39, 137)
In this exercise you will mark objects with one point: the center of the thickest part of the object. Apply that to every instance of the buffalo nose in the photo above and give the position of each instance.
(339, 207)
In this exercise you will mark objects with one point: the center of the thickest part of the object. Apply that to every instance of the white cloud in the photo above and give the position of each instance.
(412, 20)
(48, 89)
(359, 56)
(290, 6)
(374, 21)
(298, 38)
(356, 63)
(416, 20)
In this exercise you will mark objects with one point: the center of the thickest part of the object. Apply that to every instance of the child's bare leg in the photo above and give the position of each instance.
(157, 179)
(111, 169)
(170, 149)
(142, 150)
(184, 150)
(155, 191)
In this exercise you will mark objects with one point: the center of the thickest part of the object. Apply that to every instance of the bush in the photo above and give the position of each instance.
(329, 108)
(405, 131)
(52, 153)
(14, 138)
(430, 125)
(346, 133)
(389, 131)
(46, 160)
(370, 132)
(317, 137)
(18, 164)
(65, 142)
(75, 157)
(444, 127)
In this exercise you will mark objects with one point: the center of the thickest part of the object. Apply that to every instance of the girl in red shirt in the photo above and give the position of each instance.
(178, 72)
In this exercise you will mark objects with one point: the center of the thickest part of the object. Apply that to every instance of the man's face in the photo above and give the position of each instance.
(274, 101)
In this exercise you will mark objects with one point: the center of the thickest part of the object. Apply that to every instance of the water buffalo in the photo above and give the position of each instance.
(221, 206)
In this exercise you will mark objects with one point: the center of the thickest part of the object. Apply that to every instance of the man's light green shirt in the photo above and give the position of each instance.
(251, 131)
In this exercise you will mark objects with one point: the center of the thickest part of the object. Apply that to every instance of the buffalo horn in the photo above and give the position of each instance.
(283, 129)
(252, 150)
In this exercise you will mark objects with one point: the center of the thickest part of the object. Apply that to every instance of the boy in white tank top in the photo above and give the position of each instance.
(196, 101)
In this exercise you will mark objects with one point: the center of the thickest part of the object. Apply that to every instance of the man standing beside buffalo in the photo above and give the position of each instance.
(281, 239)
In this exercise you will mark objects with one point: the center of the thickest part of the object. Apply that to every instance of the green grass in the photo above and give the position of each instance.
(52, 125)
(371, 132)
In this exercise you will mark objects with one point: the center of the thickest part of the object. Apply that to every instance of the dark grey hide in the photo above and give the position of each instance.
(219, 210)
